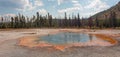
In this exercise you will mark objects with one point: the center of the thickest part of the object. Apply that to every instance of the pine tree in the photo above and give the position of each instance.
(97, 22)
(79, 21)
(2, 22)
(50, 20)
(113, 19)
(65, 20)
(12, 22)
(37, 20)
(16, 22)
(90, 22)
(23, 21)
(69, 22)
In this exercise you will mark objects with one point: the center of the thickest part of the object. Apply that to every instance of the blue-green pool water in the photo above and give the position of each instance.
(67, 38)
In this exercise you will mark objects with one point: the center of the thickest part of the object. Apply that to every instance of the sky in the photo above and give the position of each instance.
(57, 8)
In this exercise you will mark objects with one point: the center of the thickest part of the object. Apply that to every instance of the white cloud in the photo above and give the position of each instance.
(21, 5)
(76, 7)
(42, 11)
(60, 1)
(93, 7)
(89, 7)
(38, 3)
(51, 0)
(97, 5)
(28, 6)
(72, 9)
(76, 3)
(9, 15)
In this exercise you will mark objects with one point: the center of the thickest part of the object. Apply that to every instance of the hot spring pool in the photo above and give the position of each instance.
(64, 40)
(67, 38)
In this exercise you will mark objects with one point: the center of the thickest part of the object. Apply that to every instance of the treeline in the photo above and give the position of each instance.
(39, 21)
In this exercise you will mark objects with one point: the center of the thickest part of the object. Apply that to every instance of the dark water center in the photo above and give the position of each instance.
(67, 38)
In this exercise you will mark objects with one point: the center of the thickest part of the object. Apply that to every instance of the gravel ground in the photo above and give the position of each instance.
(9, 47)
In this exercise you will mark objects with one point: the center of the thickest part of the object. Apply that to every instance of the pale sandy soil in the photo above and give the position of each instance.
(9, 44)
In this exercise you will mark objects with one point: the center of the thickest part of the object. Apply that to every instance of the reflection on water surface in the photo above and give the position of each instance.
(67, 38)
